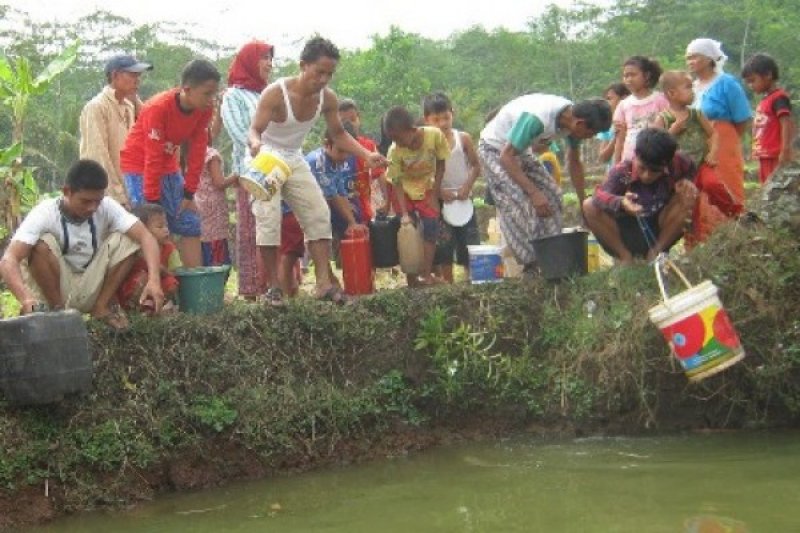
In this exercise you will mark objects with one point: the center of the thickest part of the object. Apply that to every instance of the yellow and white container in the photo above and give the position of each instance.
(266, 175)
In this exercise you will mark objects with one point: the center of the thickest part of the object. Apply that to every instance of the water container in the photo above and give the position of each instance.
(383, 236)
(409, 248)
(267, 173)
(202, 289)
(485, 263)
(357, 272)
(696, 327)
(44, 356)
(563, 255)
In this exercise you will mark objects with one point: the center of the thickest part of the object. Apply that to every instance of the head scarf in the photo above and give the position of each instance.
(244, 72)
(709, 48)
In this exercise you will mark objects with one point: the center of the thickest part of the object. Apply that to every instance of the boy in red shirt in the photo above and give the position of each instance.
(772, 126)
(150, 162)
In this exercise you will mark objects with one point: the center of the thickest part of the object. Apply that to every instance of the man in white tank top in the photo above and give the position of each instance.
(287, 110)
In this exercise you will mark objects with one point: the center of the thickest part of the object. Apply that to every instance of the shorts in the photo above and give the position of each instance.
(292, 238)
(304, 196)
(426, 211)
(80, 289)
(633, 236)
(184, 223)
(135, 188)
(453, 240)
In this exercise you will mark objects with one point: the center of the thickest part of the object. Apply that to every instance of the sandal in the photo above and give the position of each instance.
(336, 295)
(274, 297)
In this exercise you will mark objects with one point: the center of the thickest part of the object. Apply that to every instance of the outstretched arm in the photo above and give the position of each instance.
(340, 137)
(152, 256)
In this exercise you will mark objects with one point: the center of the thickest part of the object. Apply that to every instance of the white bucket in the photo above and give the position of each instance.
(266, 175)
(698, 330)
(485, 263)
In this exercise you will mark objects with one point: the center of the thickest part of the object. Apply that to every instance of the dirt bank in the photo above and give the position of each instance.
(188, 402)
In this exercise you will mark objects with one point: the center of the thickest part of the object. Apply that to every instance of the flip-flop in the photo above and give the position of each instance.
(336, 295)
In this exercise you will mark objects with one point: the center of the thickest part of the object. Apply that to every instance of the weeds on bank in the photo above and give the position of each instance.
(300, 381)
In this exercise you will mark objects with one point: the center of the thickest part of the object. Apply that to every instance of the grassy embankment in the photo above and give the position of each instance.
(191, 401)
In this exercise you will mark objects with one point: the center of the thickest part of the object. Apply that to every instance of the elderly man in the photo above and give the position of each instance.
(107, 118)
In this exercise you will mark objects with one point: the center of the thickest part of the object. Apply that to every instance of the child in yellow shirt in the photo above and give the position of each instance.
(416, 167)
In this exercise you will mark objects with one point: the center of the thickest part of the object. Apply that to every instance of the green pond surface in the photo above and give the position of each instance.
(699, 483)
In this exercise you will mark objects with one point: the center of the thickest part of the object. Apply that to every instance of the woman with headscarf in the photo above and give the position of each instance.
(247, 77)
(722, 99)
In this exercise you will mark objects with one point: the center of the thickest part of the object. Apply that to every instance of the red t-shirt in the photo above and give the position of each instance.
(364, 177)
(766, 124)
(153, 144)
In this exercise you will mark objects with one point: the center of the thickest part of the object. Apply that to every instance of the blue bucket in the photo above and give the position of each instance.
(485, 264)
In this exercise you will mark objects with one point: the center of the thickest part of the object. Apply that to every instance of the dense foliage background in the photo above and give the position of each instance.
(574, 52)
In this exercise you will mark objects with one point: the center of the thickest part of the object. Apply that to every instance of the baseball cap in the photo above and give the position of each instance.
(126, 63)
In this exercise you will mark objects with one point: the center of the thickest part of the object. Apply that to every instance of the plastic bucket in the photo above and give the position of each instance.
(485, 263)
(697, 329)
(564, 255)
(265, 176)
(202, 289)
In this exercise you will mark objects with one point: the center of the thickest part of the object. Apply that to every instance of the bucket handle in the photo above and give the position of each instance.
(668, 263)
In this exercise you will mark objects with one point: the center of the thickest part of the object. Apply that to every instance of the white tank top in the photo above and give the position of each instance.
(456, 169)
(289, 134)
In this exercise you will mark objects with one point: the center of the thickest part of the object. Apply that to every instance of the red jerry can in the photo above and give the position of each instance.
(356, 256)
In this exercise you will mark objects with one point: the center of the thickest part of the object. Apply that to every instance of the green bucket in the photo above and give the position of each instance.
(202, 289)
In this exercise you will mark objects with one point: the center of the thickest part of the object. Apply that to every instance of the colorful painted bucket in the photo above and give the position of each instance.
(697, 328)
(485, 263)
(266, 175)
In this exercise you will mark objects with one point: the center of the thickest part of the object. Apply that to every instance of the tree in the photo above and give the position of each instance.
(17, 87)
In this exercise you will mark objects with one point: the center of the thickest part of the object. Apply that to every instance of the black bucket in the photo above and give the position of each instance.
(44, 356)
(564, 255)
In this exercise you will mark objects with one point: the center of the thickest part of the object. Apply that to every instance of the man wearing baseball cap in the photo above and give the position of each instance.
(107, 118)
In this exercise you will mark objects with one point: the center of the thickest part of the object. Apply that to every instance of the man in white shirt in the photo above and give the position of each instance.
(107, 118)
(74, 251)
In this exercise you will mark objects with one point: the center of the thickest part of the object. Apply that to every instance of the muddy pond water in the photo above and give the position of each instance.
(698, 483)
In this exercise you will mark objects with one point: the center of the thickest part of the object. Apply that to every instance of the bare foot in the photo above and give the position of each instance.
(113, 318)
